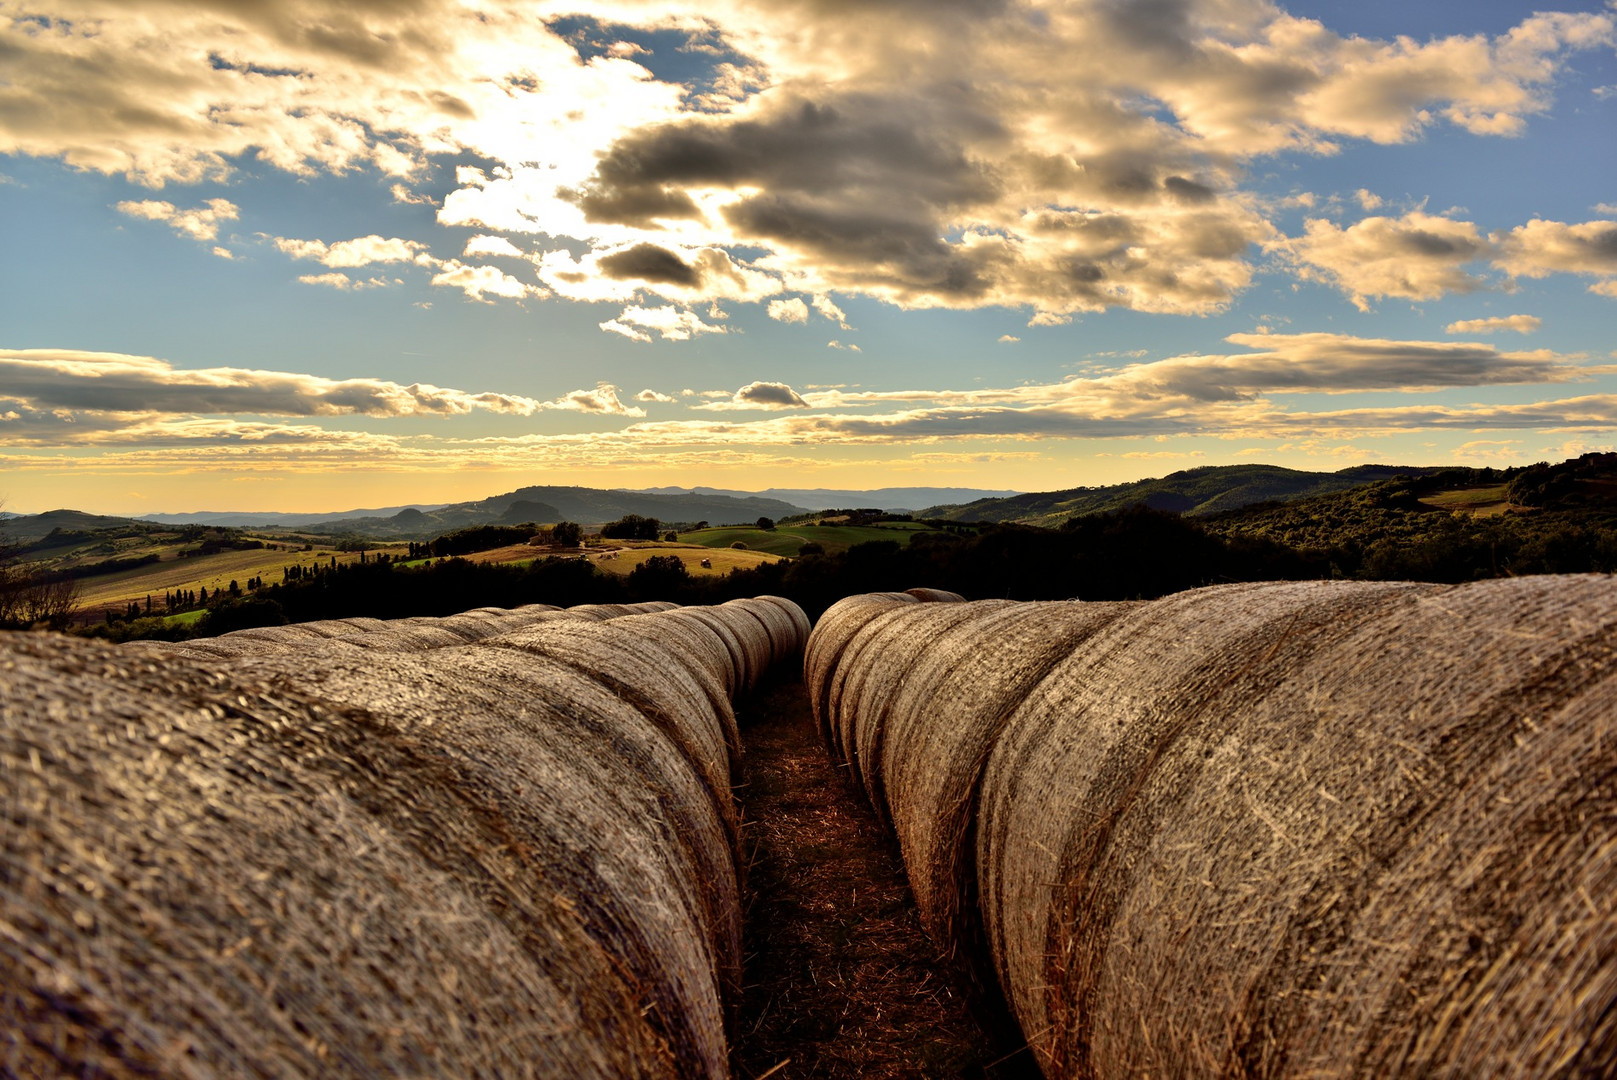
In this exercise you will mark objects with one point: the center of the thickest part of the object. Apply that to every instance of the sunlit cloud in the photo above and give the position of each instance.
(601, 401)
(1060, 159)
(198, 222)
(1540, 248)
(76, 382)
(759, 395)
(334, 280)
(650, 396)
(1419, 256)
(793, 310)
(1521, 324)
(481, 282)
(361, 251)
(638, 324)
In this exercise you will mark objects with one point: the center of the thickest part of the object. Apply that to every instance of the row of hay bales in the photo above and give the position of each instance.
(360, 849)
(1287, 829)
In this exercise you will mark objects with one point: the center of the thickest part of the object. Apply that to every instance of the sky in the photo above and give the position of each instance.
(314, 256)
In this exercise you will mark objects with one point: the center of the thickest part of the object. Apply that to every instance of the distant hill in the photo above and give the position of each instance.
(262, 519)
(1205, 490)
(900, 500)
(587, 506)
(27, 528)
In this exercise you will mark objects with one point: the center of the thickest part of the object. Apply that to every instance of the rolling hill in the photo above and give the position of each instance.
(1205, 490)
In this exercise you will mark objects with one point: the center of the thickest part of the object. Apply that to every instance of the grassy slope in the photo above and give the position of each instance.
(788, 539)
(1194, 491)
(196, 572)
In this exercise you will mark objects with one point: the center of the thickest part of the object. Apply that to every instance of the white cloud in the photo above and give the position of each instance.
(1416, 257)
(1521, 324)
(1008, 339)
(602, 401)
(759, 395)
(827, 307)
(650, 396)
(1540, 248)
(491, 245)
(840, 346)
(334, 280)
(1063, 159)
(792, 310)
(639, 323)
(114, 383)
(1368, 199)
(361, 251)
(481, 282)
(198, 223)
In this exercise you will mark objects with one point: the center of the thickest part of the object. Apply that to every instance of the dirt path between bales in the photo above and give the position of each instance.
(840, 979)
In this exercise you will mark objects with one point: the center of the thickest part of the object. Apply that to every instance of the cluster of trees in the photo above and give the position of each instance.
(632, 527)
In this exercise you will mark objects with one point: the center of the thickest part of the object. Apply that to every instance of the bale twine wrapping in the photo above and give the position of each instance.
(1316, 830)
(206, 875)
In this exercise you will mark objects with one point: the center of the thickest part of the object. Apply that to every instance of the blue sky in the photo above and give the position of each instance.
(312, 256)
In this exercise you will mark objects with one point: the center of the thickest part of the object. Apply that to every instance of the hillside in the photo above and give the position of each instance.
(587, 506)
(1204, 490)
(894, 500)
(29, 528)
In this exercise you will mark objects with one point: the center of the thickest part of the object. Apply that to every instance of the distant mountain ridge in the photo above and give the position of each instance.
(898, 500)
(1203, 490)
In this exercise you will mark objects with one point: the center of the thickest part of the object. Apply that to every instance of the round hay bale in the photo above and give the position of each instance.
(821, 657)
(643, 671)
(801, 626)
(935, 596)
(748, 649)
(1316, 830)
(292, 632)
(210, 875)
(696, 642)
(873, 669)
(404, 639)
(780, 629)
(939, 731)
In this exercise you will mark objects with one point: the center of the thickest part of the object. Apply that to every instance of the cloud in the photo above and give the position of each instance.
(760, 395)
(361, 251)
(481, 282)
(789, 311)
(114, 383)
(492, 245)
(335, 280)
(1008, 339)
(841, 347)
(827, 307)
(602, 401)
(1522, 324)
(1062, 158)
(650, 396)
(198, 223)
(1416, 257)
(639, 323)
(1540, 248)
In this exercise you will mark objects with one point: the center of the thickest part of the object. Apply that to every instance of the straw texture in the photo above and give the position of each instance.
(483, 859)
(1299, 830)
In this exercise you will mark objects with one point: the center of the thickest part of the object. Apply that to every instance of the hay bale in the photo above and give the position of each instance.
(877, 659)
(841, 622)
(746, 642)
(212, 875)
(695, 641)
(926, 774)
(780, 627)
(935, 596)
(638, 667)
(1316, 830)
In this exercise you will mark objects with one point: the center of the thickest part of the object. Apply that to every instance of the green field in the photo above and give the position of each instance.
(787, 539)
(1483, 501)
